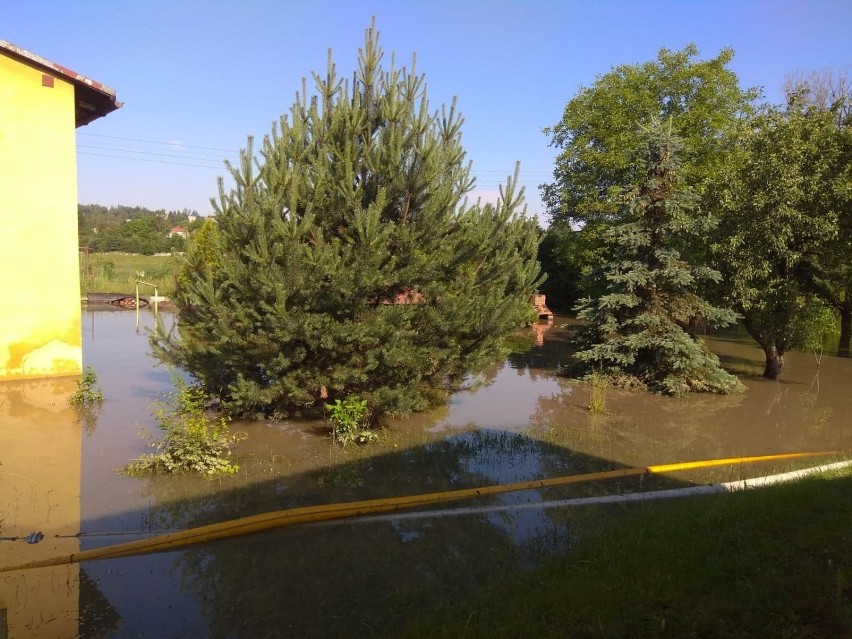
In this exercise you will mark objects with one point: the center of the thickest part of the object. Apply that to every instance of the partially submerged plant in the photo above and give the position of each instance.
(87, 391)
(597, 399)
(192, 440)
(350, 421)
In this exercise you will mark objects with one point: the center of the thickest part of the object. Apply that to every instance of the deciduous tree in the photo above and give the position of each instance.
(829, 274)
(780, 206)
(598, 134)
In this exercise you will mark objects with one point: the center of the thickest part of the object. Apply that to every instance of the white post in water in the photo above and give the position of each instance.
(156, 300)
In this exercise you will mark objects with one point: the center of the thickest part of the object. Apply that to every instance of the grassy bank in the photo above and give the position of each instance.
(774, 562)
(118, 272)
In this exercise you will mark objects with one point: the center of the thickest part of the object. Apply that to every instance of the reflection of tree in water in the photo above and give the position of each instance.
(98, 618)
(474, 381)
(547, 356)
(803, 418)
(815, 419)
(639, 427)
(87, 417)
(357, 578)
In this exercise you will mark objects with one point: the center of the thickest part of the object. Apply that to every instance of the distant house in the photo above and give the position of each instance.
(41, 105)
(178, 231)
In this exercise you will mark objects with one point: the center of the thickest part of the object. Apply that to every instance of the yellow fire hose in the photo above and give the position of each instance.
(308, 514)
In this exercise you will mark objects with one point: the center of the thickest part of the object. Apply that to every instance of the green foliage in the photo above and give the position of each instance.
(828, 273)
(87, 391)
(132, 229)
(350, 421)
(567, 256)
(598, 139)
(814, 322)
(784, 200)
(597, 397)
(637, 330)
(346, 259)
(200, 261)
(192, 441)
(118, 272)
(598, 136)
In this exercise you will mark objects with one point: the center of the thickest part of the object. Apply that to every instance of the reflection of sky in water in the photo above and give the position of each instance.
(509, 402)
(504, 458)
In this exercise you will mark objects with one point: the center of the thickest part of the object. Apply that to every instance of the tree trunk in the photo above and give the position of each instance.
(774, 361)
(845, 331)
(774, 353)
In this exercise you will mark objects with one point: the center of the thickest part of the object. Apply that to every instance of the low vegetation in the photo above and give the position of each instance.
(775, 562)
(597, 396)
(192, 440)
(118, 272)
(350, 421)
(87, 392)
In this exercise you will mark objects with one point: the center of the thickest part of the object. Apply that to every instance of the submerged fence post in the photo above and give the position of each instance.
(156, 300)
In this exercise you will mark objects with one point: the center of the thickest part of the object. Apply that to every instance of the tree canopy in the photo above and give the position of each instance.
(827, 96)
(132, 229)
(784, 197)
(348, 261)
(637, 329)
(598, 134)
(598, 139)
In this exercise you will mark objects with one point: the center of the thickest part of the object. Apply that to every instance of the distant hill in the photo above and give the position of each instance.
(134, 229)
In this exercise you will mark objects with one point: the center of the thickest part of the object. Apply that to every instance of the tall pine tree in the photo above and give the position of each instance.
(638, 330)
(347, 259)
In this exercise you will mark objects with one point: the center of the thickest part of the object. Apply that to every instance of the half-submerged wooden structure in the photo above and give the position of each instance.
(540, 303)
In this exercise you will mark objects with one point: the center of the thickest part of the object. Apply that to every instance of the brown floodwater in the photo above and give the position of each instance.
(516, 421)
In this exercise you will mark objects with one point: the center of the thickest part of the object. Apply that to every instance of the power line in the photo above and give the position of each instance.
(172, 143)
(153, 153)
(484, 178)
(209, 148)
(124, 157)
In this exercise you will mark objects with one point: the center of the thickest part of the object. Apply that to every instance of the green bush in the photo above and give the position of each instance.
(192, 441)
(87, 391)
(350, 421)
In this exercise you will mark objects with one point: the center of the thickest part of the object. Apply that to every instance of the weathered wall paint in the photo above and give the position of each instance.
(39, 262)
(40, 473)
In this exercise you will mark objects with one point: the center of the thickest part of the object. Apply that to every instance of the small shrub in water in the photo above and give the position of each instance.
(350, 420)
(192, 440)
(87, 391)
(597, 398)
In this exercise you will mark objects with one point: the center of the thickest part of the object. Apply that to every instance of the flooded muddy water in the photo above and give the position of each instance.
(517, 421)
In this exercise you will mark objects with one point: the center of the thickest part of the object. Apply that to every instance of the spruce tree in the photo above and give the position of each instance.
(346, 260)
(638, 329)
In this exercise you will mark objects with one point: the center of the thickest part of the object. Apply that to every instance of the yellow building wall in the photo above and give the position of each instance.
(40, 332)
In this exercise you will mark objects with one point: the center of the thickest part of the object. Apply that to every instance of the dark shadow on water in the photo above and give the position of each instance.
(353, 578)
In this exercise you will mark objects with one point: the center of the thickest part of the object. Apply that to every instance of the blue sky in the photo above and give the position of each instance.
(198, 76)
